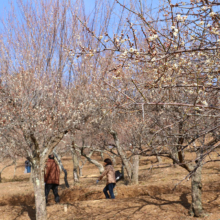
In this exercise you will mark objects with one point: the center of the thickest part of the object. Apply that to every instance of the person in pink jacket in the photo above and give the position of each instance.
(110, 180)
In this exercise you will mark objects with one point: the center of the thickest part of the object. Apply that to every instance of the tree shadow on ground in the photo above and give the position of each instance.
(137, 207)
(161, 202)
(24, 201)
(184, 201)
(30, 210)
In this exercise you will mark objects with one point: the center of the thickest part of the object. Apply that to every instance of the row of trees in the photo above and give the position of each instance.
(145, 82)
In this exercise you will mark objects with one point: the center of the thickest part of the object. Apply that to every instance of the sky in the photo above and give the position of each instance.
(89, 4)
(5, 5)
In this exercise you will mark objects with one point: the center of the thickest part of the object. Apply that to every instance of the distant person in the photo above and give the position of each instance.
(27, 166)
(110, 174)
(51, 178)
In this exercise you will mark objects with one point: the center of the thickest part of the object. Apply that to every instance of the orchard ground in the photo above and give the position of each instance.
(152, 199)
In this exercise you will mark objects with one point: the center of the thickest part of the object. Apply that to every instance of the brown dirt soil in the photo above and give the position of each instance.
(152, 199)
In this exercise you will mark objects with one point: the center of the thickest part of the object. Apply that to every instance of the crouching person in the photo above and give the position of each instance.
(110, 174)
(51, 178)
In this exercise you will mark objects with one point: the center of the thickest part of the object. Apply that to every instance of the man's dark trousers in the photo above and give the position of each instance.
(54, 187)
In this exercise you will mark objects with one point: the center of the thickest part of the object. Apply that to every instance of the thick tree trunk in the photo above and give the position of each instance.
(134, 178)
(39, 189)
(122, 154)
(75, 163)
(75, 167)
(196, 185)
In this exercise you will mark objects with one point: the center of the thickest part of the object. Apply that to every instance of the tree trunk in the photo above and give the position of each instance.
(58, 159)
(113, 159)
(122, 171)
(196, 206)
(15, 168)
(122, 154)
(134, 178)
(37, 160)
(31, 180)
(174, 152)
(80, 171)
(39, 189)
(75, 167)
(88, 157)
(196, 186)
(159, 160)
(81, 167)
(95, 162)
(75, 163)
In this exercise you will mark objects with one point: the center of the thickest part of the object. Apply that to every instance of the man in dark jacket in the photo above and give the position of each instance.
(51, 178)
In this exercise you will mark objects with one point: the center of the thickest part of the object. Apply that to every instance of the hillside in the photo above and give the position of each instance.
(153, 198)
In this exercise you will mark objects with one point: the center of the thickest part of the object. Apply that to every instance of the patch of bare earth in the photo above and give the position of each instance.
(152, 199)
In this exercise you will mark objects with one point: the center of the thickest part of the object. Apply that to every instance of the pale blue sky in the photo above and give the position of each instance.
(5, 4)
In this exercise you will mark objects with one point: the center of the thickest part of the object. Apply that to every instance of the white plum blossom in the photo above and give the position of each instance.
(175, 34)
(201, 23)
(205, 103)
(154, 37)
(212, 14)
(178, 17)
